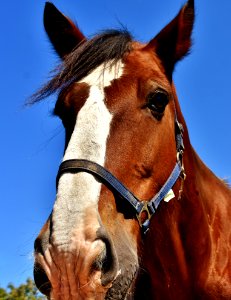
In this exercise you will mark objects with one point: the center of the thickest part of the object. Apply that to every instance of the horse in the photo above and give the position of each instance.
(137, 214)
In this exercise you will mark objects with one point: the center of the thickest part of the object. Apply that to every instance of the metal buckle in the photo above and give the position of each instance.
(179, 157)
(139, 216)
(182, 174)
(182, 177)
(180, 127)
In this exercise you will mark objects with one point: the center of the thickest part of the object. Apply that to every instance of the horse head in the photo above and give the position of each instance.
(119, 108)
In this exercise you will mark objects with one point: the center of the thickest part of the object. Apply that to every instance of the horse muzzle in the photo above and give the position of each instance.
(84, 268)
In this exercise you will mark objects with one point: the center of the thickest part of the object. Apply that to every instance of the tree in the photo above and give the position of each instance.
(27, 291)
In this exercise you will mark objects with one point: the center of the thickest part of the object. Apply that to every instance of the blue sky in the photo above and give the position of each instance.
(32, 140)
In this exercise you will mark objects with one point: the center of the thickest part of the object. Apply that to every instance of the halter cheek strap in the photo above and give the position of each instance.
(141, 207)
(150, 207)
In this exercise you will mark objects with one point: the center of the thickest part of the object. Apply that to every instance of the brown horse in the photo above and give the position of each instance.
(127, 223)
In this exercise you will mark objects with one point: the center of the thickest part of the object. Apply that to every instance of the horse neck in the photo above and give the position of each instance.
(203, 189)
(201, 185)
(189, 238)
(186, 233)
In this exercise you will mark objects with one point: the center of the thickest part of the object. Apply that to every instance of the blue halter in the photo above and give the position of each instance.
(141, 207)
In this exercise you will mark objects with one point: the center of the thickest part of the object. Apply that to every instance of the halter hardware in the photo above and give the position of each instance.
(141, 208)
(144, 209)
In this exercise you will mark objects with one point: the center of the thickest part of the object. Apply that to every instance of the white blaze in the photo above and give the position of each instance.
(77, 192)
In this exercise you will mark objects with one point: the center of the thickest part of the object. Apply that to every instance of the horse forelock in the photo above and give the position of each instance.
(106, 48)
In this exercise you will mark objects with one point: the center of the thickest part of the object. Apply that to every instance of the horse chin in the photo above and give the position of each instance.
(121, 286)
(120, 289)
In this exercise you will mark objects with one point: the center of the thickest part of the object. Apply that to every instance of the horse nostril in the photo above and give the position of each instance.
(41, 280)
(38, 246)
(107, 261)
(42, 241)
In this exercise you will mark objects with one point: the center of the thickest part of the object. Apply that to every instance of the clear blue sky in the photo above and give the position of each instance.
(32, 140)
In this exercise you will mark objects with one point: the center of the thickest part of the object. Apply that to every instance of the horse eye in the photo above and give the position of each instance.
(157, 101)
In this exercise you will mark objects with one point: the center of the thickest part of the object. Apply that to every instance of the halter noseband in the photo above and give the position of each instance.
(140, 207)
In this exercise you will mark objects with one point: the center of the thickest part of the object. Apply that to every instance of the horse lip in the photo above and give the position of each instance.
(121, 285)
(118, 273)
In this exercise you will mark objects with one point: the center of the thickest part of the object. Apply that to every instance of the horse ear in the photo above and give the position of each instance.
(174, 41)
(62, 32)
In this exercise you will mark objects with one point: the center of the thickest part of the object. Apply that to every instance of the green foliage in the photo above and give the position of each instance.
(27, 291)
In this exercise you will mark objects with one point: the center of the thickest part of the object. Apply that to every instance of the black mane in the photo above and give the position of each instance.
(110, 45)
